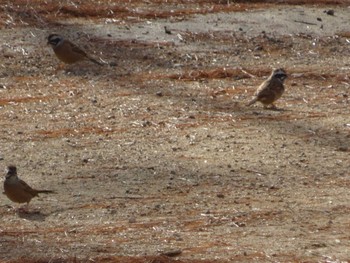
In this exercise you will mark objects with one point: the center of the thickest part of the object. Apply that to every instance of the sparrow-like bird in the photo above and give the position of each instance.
(271, 89)
(68, 52)
(17, 190)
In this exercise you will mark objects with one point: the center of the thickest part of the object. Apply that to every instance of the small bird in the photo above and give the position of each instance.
(17, 190)
(271, 89)
(68, 52)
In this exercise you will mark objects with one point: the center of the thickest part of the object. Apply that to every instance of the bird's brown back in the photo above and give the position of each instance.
(269, 91)
(69, 53)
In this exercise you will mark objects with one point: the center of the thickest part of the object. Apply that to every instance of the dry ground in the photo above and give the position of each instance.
(156, 152)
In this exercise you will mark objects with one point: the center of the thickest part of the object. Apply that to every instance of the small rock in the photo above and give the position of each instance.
(167, 31)
(318, 245)
(343, 149)
(329, 12)
(8, 53)
(132, 220)
(172, 253)
(146, 124)
(220, 195)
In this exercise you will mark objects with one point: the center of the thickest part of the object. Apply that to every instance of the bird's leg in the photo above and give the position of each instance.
(24, 209)
(272, 107)
(59, 67)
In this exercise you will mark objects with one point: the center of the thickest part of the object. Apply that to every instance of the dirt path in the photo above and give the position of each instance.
(157, 154)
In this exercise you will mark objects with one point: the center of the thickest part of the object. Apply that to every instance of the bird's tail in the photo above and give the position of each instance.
(45, 191)
(252, 101)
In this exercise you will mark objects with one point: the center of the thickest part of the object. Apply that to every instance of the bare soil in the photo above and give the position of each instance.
(154, 157)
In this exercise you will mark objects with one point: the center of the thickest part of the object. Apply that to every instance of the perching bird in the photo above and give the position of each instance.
(17, 190)
(68, 52)
(271, 89)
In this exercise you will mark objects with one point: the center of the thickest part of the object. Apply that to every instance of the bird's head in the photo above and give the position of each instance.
(54, 40)
(11, 171)
(280, 74)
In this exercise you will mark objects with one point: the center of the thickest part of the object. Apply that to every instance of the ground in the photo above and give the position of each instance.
(154, 156)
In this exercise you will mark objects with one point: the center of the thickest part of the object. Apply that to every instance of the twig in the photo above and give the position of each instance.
(303, 22)
(253, 171)
(130, 197)
(246, 72)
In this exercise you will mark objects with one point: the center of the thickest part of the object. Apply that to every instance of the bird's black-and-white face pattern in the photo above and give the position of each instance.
(11, 171)
(279, 74)
(54, 40)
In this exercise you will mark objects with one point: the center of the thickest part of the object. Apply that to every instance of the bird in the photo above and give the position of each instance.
(17, 190)
(271, 89)
(68, 52)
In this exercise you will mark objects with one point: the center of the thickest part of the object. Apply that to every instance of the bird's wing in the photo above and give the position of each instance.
(27, 188)
(264, 89)
(77, 49)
